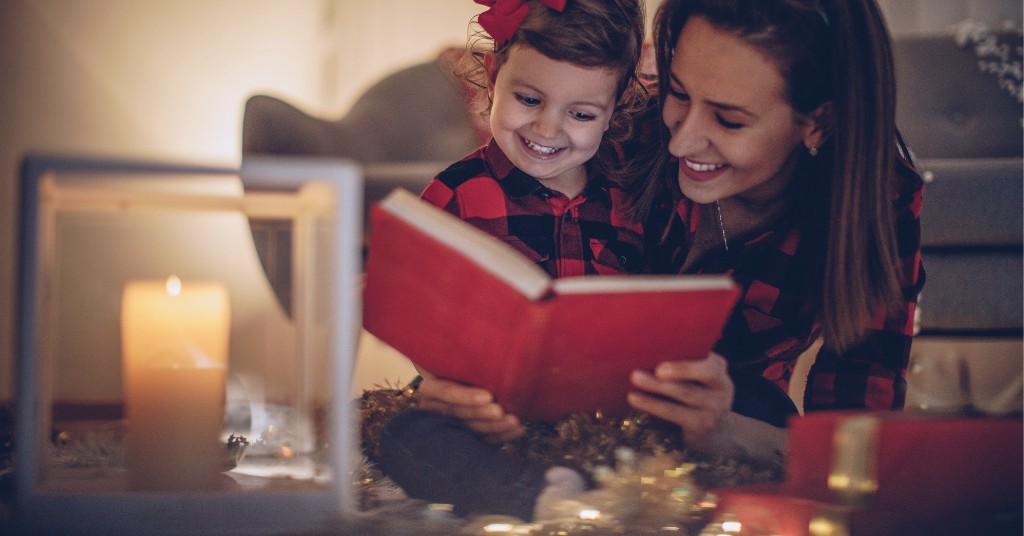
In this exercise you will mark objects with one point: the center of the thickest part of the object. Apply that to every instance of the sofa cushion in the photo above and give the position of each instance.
(946, 107)
(972, 291)
(972, 202)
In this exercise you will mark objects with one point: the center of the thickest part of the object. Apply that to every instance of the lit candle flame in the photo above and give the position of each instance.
(173, 286)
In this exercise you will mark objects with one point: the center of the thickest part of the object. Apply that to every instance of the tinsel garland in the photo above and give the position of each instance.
(645, 481)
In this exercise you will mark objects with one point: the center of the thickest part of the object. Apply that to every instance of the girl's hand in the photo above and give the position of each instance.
(696, 395)
(474, 406)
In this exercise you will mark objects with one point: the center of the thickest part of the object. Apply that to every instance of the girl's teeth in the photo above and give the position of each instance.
(702, 167)
(539, 148)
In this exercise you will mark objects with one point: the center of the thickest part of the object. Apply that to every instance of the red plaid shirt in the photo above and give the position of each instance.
(565, 237)
(774, 323)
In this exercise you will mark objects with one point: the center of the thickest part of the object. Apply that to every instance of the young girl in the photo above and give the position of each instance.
(561, 79)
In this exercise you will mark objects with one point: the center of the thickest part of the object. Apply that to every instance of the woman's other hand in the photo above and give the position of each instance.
(698, 396)
(473, 405)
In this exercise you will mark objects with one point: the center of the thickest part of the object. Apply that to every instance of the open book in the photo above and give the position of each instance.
(465, 306)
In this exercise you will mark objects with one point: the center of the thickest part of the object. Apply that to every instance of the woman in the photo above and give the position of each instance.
(785, 171)
(779, 164)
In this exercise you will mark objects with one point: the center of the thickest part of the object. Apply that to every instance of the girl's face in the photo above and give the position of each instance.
(549, 116)
(732, 129)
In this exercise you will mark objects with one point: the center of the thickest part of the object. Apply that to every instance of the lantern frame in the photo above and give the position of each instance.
(42, 508)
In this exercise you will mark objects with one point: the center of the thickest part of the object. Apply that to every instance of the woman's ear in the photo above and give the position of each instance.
(820, 128)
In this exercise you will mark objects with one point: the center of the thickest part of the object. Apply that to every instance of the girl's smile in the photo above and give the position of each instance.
(541, 151)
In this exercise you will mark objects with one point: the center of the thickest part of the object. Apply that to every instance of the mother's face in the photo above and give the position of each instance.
(732, 129)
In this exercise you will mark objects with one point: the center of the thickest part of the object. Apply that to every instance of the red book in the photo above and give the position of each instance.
(465, 306)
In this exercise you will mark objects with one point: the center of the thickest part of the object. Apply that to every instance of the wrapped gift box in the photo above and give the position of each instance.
(890, 472)
(777, 509)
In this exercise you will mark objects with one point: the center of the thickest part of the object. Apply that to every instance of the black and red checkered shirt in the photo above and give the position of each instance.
(774, 323)
(566, 237)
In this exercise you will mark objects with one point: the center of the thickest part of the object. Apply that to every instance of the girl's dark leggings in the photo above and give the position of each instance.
(435, 458)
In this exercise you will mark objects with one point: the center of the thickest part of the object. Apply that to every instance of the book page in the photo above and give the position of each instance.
(640, 283)
(479, 247)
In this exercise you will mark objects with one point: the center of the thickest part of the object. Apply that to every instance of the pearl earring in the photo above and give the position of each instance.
(812, 150)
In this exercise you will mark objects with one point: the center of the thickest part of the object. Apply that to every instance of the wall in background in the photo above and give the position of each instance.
(167, 79)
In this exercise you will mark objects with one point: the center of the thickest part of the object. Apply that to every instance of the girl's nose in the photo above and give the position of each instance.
(548, 123)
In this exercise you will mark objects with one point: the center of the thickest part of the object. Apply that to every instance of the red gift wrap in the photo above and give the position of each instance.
(893, 472)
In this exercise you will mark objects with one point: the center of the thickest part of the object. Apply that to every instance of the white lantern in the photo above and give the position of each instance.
(151, 333)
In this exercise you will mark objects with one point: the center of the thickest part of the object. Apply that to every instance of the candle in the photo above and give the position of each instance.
(175, 346)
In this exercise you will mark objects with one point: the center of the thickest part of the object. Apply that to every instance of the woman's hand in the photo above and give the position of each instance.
(698, 396)
(474, 406)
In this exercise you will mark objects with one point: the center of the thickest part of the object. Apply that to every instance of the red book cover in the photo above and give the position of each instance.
(464, 306)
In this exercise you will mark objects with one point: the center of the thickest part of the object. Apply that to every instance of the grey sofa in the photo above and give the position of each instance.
(404, 129)
(965, 133)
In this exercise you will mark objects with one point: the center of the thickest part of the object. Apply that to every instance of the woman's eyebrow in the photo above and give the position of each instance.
(726, 107)
(718, 105)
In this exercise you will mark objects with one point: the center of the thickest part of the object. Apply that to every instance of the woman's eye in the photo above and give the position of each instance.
(729, 124)
(678, 94)
(581, 116)
(528, 101)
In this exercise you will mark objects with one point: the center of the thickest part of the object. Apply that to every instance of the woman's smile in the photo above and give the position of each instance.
(700, 172)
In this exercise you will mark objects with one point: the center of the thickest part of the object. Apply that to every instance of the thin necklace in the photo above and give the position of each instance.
(721, 225)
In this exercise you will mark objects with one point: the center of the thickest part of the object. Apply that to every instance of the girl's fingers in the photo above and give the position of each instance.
(452, 393)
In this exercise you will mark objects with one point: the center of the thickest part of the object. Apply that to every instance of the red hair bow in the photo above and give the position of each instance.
(504, 16)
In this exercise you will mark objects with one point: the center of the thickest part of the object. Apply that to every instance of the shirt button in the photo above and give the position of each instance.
(623, 261)
(544, 194)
